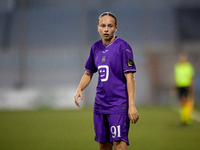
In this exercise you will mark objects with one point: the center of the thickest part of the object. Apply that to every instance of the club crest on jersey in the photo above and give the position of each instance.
(130, 62)
(103, 60)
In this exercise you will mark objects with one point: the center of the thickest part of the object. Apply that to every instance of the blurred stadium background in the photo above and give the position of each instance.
(43, 48)
(44, 45)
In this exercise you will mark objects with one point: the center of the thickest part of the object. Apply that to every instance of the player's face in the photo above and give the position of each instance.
(182, 58)
(107, 29)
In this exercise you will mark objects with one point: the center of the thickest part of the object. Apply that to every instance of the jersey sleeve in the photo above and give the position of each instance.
(127, 59)
(90, 63)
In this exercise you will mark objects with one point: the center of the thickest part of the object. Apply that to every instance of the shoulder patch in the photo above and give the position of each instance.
(130, 62)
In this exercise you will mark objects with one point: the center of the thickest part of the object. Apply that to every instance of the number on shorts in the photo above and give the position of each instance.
(115, 132)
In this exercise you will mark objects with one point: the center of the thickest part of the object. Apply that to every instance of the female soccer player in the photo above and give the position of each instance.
(114, 106)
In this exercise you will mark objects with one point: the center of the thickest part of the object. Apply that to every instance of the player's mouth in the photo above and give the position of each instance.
(106, 35)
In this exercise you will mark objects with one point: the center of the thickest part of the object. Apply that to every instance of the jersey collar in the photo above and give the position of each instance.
(106, 46)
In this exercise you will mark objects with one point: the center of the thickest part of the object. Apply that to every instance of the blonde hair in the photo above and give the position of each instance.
(108, 14)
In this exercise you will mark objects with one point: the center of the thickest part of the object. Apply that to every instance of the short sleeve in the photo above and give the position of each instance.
(127, 59)
(90, 63)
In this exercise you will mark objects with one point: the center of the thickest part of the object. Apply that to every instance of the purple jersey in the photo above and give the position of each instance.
(111, 62)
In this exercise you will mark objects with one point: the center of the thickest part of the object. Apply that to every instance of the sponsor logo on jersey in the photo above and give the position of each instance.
(103, 72)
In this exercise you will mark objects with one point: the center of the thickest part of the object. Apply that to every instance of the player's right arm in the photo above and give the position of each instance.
(85, 80)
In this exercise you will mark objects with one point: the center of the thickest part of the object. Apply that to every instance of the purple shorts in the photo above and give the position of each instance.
(109, 127)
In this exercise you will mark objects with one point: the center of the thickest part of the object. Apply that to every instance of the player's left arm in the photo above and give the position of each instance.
(132, 111)
(192, 86)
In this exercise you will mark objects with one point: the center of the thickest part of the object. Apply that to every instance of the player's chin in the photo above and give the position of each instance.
(107, 38)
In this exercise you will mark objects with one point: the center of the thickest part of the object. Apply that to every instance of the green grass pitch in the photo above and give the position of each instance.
(157, 129)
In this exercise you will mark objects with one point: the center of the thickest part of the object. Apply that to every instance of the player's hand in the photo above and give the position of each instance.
(133, 114)
(77, 95)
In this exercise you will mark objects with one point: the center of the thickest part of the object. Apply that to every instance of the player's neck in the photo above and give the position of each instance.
(107, 42)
